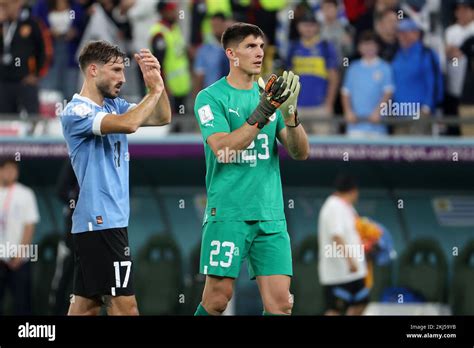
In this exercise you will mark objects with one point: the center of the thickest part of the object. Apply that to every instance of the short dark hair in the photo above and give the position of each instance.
(345, 183)
(237, 32)
(367, 35)
(99, 52)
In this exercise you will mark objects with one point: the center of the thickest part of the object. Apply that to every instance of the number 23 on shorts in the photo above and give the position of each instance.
(223, 251)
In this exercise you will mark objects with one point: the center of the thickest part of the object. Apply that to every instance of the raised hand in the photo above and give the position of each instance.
(151, 71)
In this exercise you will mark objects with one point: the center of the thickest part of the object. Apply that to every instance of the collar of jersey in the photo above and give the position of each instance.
(87, 100)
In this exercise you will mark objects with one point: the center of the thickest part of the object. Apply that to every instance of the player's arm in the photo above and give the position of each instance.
(295, 141)
(237, 140)
(131, 120)
(161, 115)
(293, 136)
(271, 99)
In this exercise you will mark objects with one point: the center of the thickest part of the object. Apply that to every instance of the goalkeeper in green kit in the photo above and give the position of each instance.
(240, 121)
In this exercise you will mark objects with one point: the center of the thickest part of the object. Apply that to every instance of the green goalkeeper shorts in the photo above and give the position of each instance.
(265, 244)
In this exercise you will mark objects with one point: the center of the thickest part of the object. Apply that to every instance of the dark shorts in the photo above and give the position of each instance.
(102, 264)
(340, 296)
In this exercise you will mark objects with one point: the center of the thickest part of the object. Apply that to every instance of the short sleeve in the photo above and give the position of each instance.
(81, 120)
(210, 115)
(123, 106)
(31, 214)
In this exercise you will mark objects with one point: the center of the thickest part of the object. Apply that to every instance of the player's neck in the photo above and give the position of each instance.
(240, 80)
(92, 94)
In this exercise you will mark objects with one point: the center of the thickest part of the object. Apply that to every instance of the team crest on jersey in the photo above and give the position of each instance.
(205, 115)
(82, 110)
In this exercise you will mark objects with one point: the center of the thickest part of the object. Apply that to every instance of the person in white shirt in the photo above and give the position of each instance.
(456, 64)
(18, 217)
(342, 265)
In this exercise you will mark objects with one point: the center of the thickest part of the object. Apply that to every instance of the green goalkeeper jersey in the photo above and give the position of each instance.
(248, 188)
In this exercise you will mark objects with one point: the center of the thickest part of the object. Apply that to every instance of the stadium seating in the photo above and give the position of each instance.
(158, 276)
(145, 217)
(306, 289)
(43, 272)
(423, 269)
(462, 287)
(195, 282)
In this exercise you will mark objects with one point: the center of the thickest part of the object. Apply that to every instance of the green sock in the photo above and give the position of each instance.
(201, 311)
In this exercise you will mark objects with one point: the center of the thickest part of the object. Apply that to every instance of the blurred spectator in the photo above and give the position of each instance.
(361, 15)
(169, 46)
(300, 10)
(18, 216)
(368, 84)
(142, 15)
(455, 36)
(25, 51)
(211, 62)
(202, 11)
(386, 25)
(417, 76)
(264, 14)
(334, 31)
(316, 62)
(466, 107)
(65, 20)
(342, 264)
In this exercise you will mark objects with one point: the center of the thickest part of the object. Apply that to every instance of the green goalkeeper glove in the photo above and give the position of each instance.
(272, 96)
(288, 108)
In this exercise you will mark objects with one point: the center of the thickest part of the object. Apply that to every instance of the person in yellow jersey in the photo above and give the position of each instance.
(169, 46)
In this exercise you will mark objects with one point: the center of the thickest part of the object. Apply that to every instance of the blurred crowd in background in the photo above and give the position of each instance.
(362, 63)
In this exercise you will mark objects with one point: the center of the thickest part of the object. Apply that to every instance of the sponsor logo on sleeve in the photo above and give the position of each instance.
(82, 110)
(206, 115)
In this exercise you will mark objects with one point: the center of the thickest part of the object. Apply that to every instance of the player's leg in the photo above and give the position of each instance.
(224, 246)
(270, 262)
(216, 295)
(275, 292)
(121, 305)
(103, 269)
(84, 306)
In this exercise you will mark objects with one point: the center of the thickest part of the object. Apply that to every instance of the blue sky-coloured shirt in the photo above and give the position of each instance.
(366, 84)
(100, 163)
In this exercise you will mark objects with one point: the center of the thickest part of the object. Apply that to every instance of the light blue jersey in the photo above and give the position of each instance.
(100, 163)
(366, 84)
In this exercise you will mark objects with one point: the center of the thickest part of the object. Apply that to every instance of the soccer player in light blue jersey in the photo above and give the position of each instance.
(95, 124)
